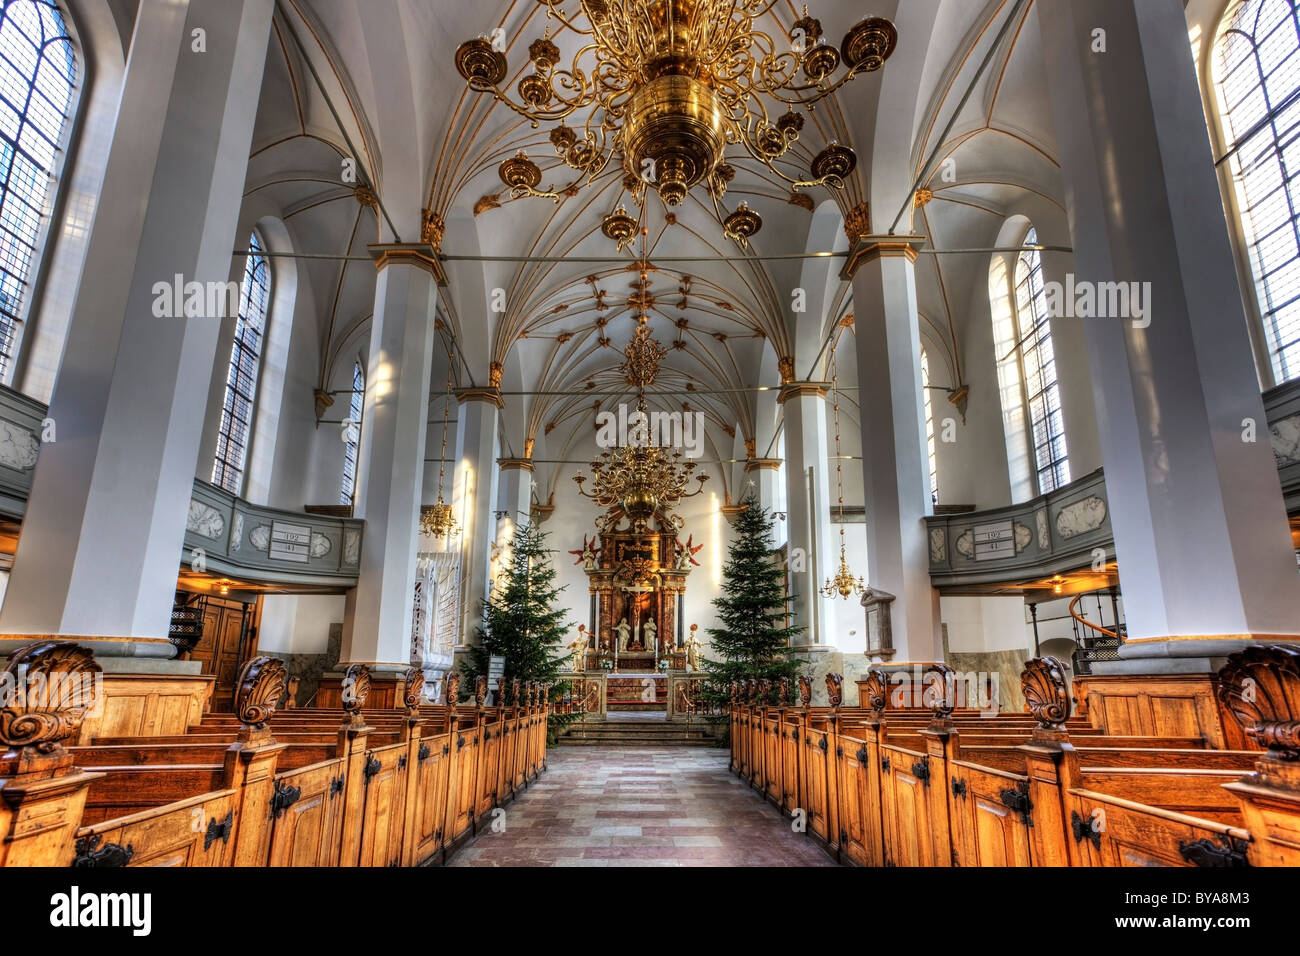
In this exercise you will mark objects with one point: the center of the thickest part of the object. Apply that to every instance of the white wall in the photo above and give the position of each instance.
(981, 624)
(298, 623)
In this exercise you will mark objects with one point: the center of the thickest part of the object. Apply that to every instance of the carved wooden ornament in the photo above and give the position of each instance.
(514, 691)
(1261, 687)
(939, 690)
(1047, 695)
(45, 692)
(835, 689)
(453, 688)
(414, 687)
(877, 690)
(480, 690)
(783, 688)
(805, 691)
(258, 690)
(356, 688)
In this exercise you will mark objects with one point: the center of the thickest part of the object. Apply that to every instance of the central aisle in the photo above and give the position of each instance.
(676, 806)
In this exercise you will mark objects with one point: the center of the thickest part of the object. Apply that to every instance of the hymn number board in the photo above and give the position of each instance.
(994, 540)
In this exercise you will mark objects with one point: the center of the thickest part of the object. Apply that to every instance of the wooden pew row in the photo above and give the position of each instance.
(383, 788)
(892, 789)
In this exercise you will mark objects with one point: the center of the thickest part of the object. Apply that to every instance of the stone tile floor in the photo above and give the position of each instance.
(675, 806)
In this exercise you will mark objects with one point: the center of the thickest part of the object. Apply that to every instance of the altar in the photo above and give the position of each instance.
(632, 692)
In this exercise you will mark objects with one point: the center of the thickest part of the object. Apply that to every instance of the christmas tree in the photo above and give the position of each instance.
(755, 631)
(521, 620)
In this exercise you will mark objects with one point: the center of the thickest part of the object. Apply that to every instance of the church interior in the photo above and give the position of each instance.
(707, 432)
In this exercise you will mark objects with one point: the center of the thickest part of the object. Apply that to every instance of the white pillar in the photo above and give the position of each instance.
(390, 461)
(1200, 528)
(808, 494)
(896, 474)
(764, 474)
(474, 499)
(516, 489)
(105, 522)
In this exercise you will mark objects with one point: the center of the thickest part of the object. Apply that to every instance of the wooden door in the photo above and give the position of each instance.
(222, 648)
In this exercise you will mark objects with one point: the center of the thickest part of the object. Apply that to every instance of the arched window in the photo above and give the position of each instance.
(1038, 371)
(241, 380)
(1257, 78)
(353, 436)
(929, 427)
(38, 75)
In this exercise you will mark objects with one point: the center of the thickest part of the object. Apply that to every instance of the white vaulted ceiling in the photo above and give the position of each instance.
(426, 141)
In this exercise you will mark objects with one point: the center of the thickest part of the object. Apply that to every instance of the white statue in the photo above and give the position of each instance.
(578, 648)
(588, 559)
(693, 652)
(648, 630)
(624, 632)
(683, 560)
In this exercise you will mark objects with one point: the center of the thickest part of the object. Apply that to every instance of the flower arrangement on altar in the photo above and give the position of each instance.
(665, 664)
(606, 664)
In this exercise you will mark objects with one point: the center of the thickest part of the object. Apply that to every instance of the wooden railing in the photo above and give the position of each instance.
(884, 786)
(398, 787)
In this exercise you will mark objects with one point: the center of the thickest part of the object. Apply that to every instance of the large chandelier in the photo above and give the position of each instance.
(669, 86)
(641, 478)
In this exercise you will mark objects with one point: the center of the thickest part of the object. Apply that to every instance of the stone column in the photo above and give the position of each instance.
(764, 474)
(390, 459)
(1200, 528)
(105, 523)
(809, 501)
(474, 499)
(516, 491)
(895, 469)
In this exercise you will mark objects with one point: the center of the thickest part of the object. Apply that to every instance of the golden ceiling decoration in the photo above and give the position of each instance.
(643, 355)
(669, 86)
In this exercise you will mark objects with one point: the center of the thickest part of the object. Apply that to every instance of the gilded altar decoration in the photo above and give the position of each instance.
(857, 224)
(673, 90)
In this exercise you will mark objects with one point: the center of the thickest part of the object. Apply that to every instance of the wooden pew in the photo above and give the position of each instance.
(381, 788)
(948, 788)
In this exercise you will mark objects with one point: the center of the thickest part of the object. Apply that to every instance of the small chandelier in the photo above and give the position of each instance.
(844, 583)
(666, 87)
(437, 520)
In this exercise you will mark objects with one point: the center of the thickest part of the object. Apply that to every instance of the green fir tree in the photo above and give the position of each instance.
(522, 619)
(754, 633)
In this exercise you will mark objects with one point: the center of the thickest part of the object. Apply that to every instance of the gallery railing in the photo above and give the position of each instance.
(1063, 530)
(223, 533)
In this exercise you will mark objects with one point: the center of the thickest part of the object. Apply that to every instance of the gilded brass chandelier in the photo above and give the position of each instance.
(640, 477)
(437, 520)
(844, 583)
(669, 86)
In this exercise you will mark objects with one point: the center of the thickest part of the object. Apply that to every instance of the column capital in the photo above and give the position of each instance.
(870, 248)
(418, 254)
(480, 394)
(515, 464)
(799, 389)
(763, 464)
